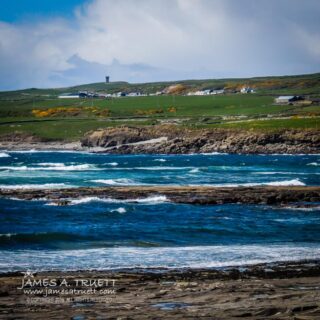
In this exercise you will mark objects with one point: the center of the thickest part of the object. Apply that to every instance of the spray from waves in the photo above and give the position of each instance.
(36, 186)
(50, 164)
(52, 167)
(113, 164)
(148, 200)
(117, 182)
(4, 155)
(164, 257)
(316, 164)
(293, 182)
(161, 168)
(307, 209)
(119, 210)
(212, 153)
(283, 172)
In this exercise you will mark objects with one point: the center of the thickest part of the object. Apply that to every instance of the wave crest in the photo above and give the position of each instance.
(148, 200)
(4, 155)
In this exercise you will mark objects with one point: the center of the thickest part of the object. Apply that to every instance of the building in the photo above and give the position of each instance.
(287, 99)
(205, 92)
(69, 96)
(246, 90)
(107, 79)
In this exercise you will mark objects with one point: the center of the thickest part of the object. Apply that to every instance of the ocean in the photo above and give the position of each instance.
(95, 233)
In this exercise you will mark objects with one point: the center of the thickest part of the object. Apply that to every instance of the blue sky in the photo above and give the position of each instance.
(17, 10)
(56, 43)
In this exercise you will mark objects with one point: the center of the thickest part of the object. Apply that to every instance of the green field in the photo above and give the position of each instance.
(40, 112)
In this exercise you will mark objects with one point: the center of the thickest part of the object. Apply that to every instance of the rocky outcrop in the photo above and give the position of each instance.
(192, 195)
(123, 140)
(20, 137)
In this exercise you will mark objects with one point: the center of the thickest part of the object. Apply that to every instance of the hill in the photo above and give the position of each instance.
(41, 113)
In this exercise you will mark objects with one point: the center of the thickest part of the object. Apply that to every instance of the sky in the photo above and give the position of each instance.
(57, 43)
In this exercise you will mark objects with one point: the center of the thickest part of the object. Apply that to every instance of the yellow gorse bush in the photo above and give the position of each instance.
(71, 111)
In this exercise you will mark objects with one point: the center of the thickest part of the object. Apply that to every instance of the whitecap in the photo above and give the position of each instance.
(148, 200)
(35, 186)
(50, 164)
(7, 235)
(160, 160)
(307, 209)
(53, 167)
(113, 164)
(4, 155)
(115, 182)
(313, 164)
(162, 168)
(195, 170)
(119, 210)
(283, 173)
(293, 182)
(215, 256)
(211, 153)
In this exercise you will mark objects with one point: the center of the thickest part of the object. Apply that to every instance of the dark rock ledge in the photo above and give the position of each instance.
(269, 195)
(166, 139)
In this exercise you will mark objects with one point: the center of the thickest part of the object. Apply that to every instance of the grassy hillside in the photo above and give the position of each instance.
(40, 112)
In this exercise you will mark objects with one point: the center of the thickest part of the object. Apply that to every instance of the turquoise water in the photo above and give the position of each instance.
(152, 232)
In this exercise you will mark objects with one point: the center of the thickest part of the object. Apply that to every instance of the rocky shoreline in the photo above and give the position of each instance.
(175, 140)
(201, 195)
(283, 290)
(172, 139)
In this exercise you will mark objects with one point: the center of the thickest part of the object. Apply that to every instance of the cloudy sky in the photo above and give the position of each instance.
(56, 43)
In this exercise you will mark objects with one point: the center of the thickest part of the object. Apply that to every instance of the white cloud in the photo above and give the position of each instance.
(176, 38)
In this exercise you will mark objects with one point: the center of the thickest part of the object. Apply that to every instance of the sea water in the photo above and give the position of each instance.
(95, 233)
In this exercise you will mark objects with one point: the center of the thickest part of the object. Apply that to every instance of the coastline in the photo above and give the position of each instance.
(200, 195)
(168, 139)
(284, 290)
(281, 290)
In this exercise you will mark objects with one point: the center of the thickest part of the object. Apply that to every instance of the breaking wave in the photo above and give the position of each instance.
(293, 182)
(116, 182)
(119, 210)
(148, 200)
(166, 257)
(4, 155)
(36, 186)
(52, 167)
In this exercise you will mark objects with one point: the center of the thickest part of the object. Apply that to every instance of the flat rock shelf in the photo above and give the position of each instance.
(202, 195)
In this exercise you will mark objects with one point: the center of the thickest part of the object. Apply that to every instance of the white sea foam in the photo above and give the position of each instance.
(7, 235)
(119, 210)
(113, 164)
(51, 164)
(161, 168)
(35, 186)
(52, 167)
(195, 170)
(293, 182)
(285, 173)
(4, 155)
(148, 200)
(160, 160)
(307, 209)
(116, 182)
(161, 257)
(316, 164)
(212, 153)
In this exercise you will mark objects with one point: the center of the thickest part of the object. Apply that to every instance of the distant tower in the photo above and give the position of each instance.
(107, 79)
